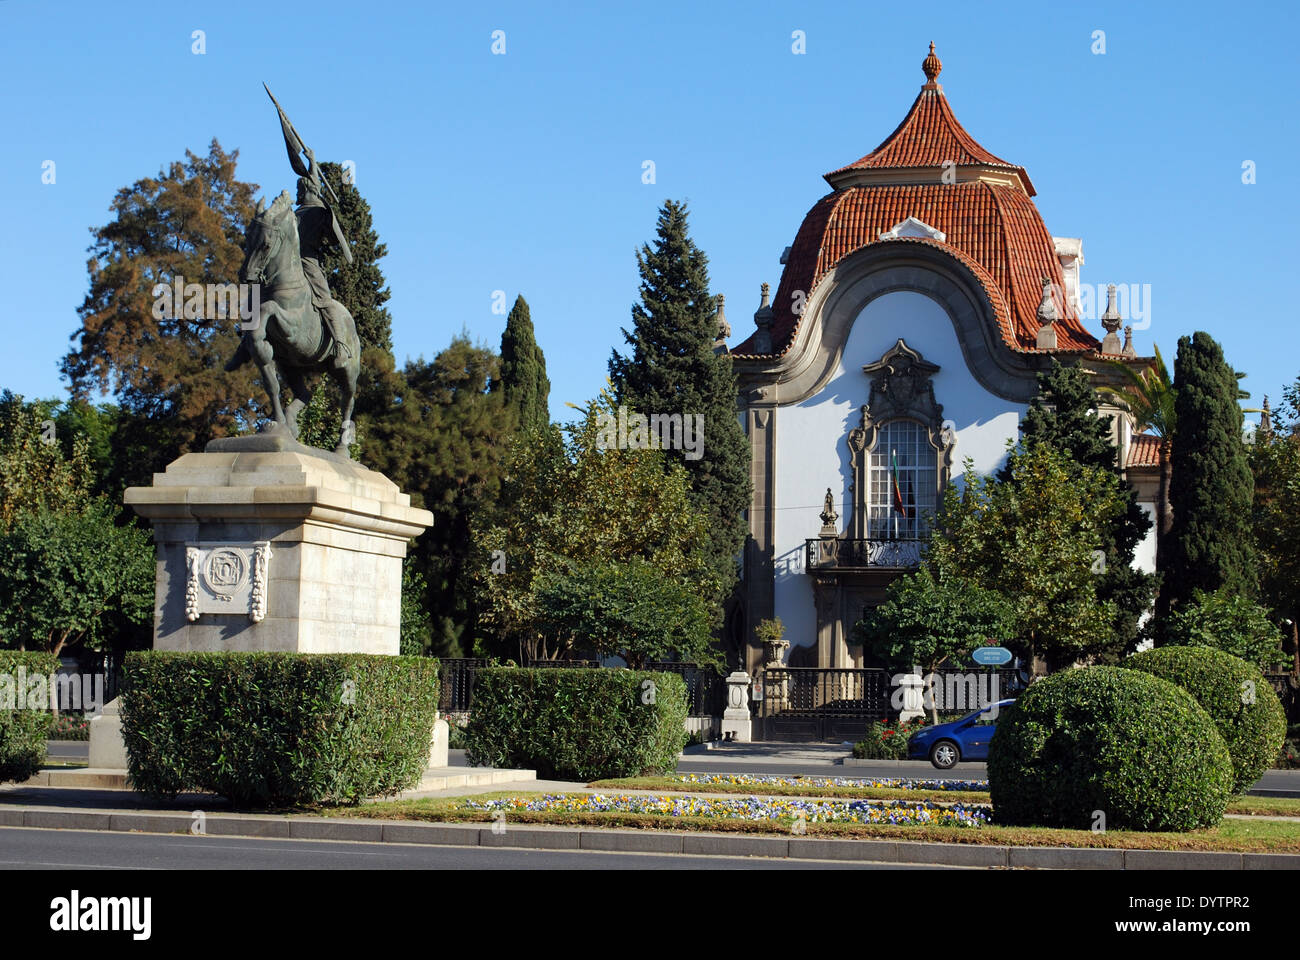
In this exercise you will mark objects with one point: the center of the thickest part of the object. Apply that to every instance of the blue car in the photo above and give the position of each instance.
(947, 744)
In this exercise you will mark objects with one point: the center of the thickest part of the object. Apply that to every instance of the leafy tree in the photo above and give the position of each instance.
(167, 376)
(445, 442)
(1211, 489)
(65, 574)
(930, 619)
(1229, 622)
(417, 625)
(672, 369)
(570, 497)
(629, 610)
(523, 369)
(1275, 461)
(1032, 539)
(36, 470)
(1063, 418)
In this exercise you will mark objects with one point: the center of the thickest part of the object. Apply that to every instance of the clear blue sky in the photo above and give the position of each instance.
(523, 172)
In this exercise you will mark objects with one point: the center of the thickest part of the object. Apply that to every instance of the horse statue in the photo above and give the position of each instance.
(290, 336)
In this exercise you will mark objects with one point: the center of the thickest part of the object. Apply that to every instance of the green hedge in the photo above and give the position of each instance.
(1137, 748)
(277, 729)
(23, 732)
(577, 724)
(1234, 693)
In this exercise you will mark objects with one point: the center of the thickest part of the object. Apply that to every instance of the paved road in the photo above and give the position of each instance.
(34, 849)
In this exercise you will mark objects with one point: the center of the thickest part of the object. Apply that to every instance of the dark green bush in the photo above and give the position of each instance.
(1137, 748)
(277, 729)
(1234, 693)
(23, 732)
(577, 724)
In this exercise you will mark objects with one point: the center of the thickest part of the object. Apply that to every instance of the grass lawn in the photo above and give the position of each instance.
(1261, 836)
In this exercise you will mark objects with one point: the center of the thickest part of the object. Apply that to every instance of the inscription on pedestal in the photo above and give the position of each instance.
(227, 578)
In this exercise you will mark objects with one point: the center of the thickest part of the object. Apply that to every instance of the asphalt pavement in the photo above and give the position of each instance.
(24, 848)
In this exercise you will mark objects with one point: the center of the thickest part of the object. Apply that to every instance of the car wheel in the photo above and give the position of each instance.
(945, 754)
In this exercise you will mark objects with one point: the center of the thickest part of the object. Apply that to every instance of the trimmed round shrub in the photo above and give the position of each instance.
(1137, 748)
(277, 729)
(1242, 704)
(25, 718)
(577, 724)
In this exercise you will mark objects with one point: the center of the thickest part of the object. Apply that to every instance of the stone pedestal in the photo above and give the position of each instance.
(913, 699)
(107, 751)
(736, 722)
(439, 744)
(264, 544)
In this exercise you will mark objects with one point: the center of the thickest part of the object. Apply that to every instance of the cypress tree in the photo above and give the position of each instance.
(673, 369)
(1062, 417)
(1212, 488)
(523, 369)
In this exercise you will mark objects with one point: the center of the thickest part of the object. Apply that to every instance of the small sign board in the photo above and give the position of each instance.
(991, 656)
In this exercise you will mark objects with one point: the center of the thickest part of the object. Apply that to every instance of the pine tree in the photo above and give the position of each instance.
(445, 442)
(1061, 417)
(1212, 488)
(523, 369)
(674, 370)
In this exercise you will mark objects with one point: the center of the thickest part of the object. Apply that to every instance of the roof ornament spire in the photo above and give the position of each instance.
(763, 318)
(1265, 431)
(724, 328)
(932, 66)
(1047, 315)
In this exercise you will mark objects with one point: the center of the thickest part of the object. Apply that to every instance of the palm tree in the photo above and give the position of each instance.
(1149, 400)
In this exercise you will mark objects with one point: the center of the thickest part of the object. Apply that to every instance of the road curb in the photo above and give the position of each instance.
(541, 837)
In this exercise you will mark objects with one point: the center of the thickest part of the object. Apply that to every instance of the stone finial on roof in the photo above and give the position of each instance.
(1047, 311)
(932, 66)
(763, 317)
(1110, 320)
(1265, 430)
(724, 328)
(1129, 350)
(1047, 315)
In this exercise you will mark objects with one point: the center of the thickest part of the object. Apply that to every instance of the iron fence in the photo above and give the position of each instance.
(839, 703)
(706, 691)
(1287, 688)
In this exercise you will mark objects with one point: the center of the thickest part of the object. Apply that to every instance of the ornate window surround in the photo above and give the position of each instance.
(901, 389)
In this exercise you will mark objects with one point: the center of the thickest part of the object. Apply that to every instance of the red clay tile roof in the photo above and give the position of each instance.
(992, 228)
(989, 226)
(930, 136)
(1144, 450)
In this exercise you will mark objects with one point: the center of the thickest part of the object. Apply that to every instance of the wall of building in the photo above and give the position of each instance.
(811, 449)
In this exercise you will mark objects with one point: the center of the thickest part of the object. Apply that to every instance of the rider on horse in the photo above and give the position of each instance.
(317, 225)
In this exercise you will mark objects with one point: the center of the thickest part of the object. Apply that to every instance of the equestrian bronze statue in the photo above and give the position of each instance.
(302, 330)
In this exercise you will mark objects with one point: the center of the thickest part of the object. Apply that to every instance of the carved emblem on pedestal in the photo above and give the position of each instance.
(227, 578)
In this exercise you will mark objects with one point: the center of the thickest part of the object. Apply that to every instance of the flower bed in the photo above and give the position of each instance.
(69, 727)
(899, 812)
(886, 741)
(889, 783)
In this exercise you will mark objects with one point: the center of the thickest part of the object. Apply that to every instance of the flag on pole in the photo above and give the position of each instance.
(898, 490)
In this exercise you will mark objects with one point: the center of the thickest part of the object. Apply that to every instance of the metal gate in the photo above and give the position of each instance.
(815, 703)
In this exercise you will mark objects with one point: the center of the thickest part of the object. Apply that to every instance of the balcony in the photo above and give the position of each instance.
(844, 554)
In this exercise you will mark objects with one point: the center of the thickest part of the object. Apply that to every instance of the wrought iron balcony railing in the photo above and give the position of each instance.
(843, 553)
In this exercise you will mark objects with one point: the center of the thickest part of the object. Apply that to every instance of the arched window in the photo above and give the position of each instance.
(903, 485)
